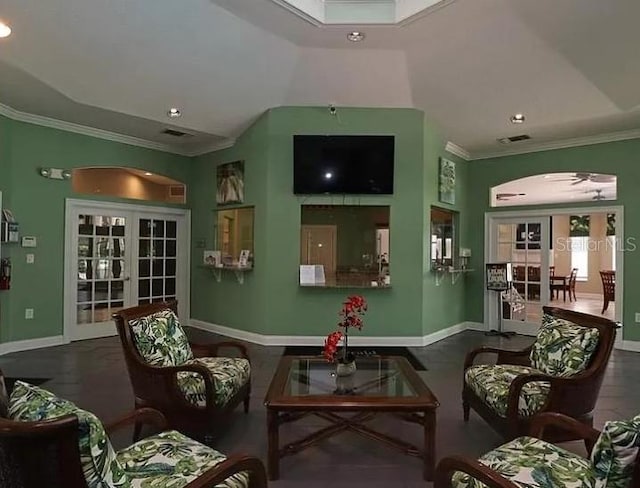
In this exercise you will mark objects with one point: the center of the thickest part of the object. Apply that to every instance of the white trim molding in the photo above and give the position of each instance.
(107, 135)
(633, 346)
(457, 150)
(355, 340)
(624, 135)
(29, 344)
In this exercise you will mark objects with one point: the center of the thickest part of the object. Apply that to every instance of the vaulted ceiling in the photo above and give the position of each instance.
(569, 66)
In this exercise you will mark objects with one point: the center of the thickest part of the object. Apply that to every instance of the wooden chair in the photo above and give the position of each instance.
(508, 465)
(160, 388)
(608, 288)
(574, 396)
(47, 453)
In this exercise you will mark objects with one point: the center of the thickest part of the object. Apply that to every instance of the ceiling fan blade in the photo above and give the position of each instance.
(578, 182)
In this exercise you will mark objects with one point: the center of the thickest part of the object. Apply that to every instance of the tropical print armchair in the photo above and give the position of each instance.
(86, 457)
(191, 384)
(528, 462)
(561, 371)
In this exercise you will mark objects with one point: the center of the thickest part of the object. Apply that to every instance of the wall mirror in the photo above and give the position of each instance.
(443, 237)
(234, 236)
(346, 245)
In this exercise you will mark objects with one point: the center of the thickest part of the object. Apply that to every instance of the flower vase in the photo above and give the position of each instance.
(346, 367)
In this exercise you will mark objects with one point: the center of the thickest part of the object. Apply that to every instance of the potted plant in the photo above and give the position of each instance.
(350, 316)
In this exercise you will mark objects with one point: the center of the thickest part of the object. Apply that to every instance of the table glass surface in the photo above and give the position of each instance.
(374, 377)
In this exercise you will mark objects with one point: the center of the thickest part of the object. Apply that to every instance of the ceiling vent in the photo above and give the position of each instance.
(509, 140)
(176, 133)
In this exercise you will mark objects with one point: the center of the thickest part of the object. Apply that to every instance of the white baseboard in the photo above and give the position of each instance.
(479, 326)
(356, 340)
(633, 346)
(18, 346)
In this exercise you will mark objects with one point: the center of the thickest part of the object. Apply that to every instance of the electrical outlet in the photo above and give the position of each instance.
(28, 313)
(638, 317)
(31, 258)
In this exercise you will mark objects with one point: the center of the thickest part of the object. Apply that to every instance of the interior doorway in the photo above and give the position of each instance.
(117, 256)
(318, 246)
(560, 257)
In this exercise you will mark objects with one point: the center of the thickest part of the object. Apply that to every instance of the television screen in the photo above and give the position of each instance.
(343, 164)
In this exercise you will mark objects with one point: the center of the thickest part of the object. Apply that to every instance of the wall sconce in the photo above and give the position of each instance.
(55, 173)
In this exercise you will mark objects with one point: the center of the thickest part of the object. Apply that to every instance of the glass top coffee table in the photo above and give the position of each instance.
(308, 385)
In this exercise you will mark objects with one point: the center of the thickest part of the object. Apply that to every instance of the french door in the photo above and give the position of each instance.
(523, 242)
(118, 256)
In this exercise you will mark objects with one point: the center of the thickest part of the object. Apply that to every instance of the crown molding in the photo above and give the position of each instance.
(562, 144)
(457, 151)
(41, 120)
(209, 148)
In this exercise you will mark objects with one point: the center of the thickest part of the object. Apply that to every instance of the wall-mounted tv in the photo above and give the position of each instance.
(343, 164)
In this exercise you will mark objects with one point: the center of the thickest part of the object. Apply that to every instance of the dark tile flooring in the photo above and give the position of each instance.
(93, 374)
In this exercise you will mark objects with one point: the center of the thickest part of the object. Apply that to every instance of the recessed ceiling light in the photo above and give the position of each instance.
(517, 118)
(174, 112)
(148, 174)
(328, 175)
(5, 30)
(355, 36)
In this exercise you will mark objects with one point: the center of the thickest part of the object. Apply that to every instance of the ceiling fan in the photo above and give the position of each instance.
(579, 177)
(507, 196)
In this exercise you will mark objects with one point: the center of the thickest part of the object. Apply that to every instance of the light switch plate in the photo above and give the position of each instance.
(31, 258)
(638, 317)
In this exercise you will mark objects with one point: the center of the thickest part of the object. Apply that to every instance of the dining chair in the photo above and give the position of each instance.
(608, 278)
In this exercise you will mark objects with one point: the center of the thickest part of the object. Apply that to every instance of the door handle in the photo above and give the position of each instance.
(127, 278)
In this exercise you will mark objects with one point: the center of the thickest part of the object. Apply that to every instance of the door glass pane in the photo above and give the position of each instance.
(144, 250)
(145, 228)
(144, 268)
(172, 229)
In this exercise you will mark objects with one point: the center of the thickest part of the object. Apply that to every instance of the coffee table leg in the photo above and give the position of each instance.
(429, 444)
(274, 444)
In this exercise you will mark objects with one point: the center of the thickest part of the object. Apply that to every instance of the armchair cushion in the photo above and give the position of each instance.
(229, 375)
(532, 463)
(615, 453)
(171, 460)
(563, 348)
(161, 340)
(101, 468)
(490, 382)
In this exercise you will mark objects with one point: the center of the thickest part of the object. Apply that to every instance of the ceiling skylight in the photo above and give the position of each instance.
(349, 12)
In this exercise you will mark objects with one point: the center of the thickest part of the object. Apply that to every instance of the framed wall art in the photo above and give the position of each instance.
(447, 186)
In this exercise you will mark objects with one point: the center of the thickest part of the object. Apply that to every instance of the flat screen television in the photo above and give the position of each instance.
(343, 164)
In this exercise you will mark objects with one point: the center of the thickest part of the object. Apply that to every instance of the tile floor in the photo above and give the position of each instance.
(93, 374)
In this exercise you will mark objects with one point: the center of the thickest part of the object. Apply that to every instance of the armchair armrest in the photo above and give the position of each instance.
(235, 463)
(566, 423)
(473, 468)
(139, 416)
(504, 356)
(169, 376)
(211, 350)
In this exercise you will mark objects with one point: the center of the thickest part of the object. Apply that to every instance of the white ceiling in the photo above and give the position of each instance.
(555, 188)
(570, 66)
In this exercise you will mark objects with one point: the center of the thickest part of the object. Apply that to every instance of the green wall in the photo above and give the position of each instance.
(38, 204)
(270, 301)
(228, 303)
(619, 158)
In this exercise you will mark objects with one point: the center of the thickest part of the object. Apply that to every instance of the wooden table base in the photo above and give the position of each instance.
(354, 423)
